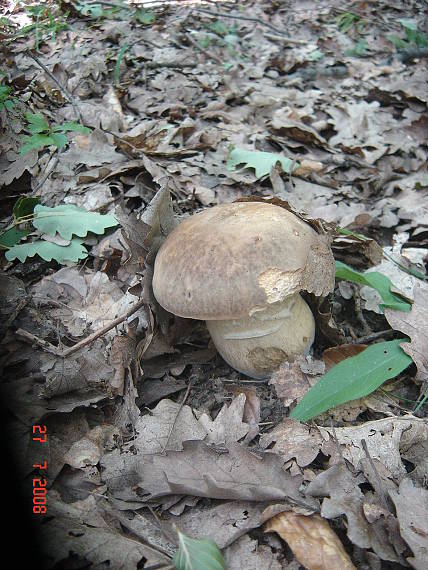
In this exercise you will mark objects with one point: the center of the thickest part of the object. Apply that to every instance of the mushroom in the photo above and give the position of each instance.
(240, 267)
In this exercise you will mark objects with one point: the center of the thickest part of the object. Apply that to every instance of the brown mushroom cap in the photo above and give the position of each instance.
(234, 259)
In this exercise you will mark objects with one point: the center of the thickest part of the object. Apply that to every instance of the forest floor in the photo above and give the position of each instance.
(130, 434)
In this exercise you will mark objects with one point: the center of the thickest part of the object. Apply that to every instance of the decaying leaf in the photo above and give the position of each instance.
(294, 440)
(291, 383)
(228, 426)
(383, 440)
(236, 474)
(414, 324)
(312, 541)
(344, 497)
(80, 528)
(247, 553)
(411, 504)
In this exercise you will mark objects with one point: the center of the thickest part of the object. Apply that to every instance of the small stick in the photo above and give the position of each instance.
(68, 96)
(48, 347)
(176, 416)
(205, 51)
(250, 19)
(373, 336)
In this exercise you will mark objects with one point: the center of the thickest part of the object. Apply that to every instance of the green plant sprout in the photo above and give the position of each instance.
(118, 62)
(349, 20)
(43, 135)
(47, 23)
(6, 100)
(413, 36)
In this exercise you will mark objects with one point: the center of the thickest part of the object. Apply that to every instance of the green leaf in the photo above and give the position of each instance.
(353, 378)
(68, 220)
(145, 16)
(36, 123)
(198, 554)
(59, 139)
(12, 236)
(48, 251)
(398, 43)
(262, 162)
(36, 142)
(407, 23)
(378, 281)
(71, 126)
(24, 206)
(359, 49)
(8, 104)
(118, 62)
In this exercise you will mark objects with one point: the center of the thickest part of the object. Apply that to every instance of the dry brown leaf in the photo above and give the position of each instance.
(249, 554)
(290, 382)
(294, 440)
(344, 497)
(121, 355)
(336, 354)
(412, 508)
(201, 471)
(251, 415)
(228, 426)
(383, 438)
(414, 324)
(312, 541)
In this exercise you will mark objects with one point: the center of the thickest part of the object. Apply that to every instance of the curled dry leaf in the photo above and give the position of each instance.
(312, 541)
(122, 353)
(228, 426)
(343, 496)
(251, 415)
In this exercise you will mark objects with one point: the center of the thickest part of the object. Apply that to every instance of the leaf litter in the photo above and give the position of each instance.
(148, 429)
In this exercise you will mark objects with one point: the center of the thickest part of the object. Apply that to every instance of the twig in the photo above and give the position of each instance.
(285, 39)
(48, 347)
(203, 50)
(250, 19)
(374, 336)
(68, 96)
(176, 416)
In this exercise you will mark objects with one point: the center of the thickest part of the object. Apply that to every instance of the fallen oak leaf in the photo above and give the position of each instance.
(201, 471)
(415, 325)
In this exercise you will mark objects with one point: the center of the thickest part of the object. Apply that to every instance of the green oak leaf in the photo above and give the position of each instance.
(68, 220)
(262, 162)
(48, 251)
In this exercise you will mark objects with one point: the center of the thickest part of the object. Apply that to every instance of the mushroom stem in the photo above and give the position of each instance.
(256, 345)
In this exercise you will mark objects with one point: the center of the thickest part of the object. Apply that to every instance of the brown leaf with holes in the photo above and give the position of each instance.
(312, 541)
